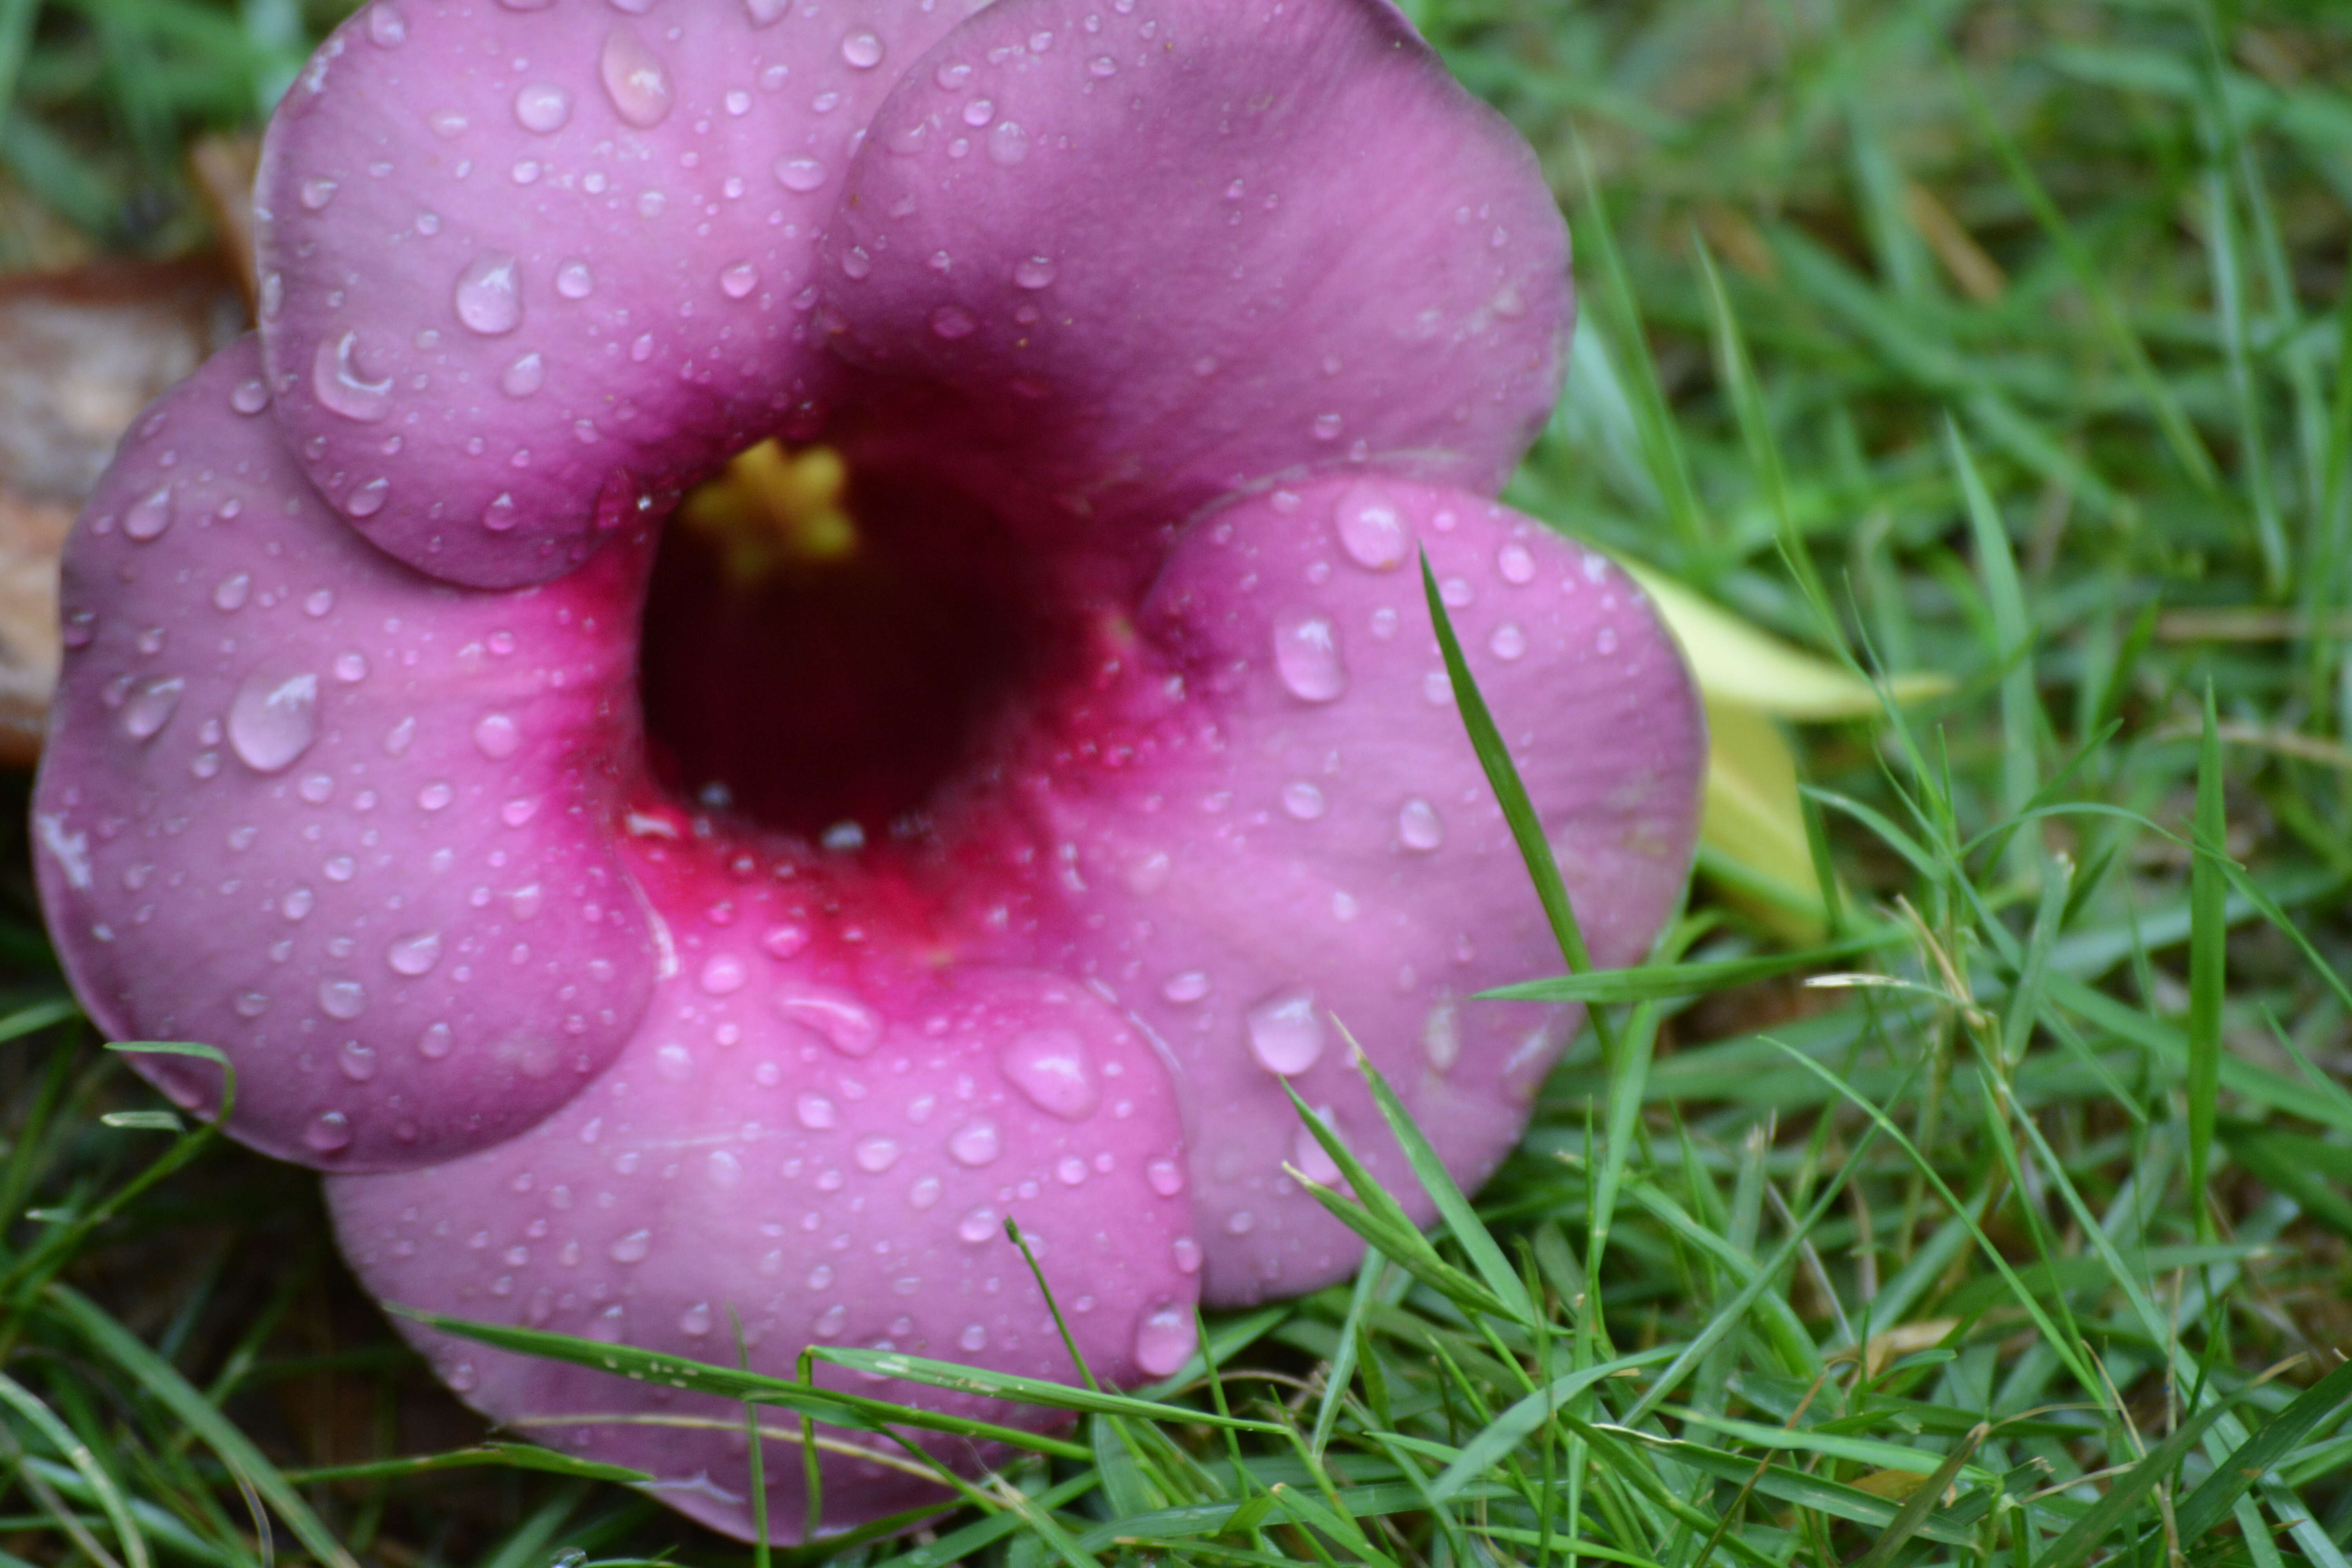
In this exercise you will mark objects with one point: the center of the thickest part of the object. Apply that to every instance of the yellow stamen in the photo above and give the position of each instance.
(771, 509)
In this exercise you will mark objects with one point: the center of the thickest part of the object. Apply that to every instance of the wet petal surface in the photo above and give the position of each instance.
(525, 265)
(770, 1150)
(306, 805)
(1140, 255)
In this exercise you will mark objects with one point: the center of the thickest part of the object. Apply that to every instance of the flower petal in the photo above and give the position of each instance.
(1149, 253)
(523, 265)
(306, 805)
(1313, 837)
(739, 1161)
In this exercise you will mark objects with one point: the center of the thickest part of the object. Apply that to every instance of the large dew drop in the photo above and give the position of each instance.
(1165, 1339)
(344, 999)
(1306, 654)
(149, 516)
(1371, 528)
(1418, 824)
(150, 708)
(490, 294)
(976, 1143)
(343, 386)
(1286, 1033)
(273, 719)
(635, 80)
(415, 955)
(330, 1133)
(1050, 1066)
(543, 107)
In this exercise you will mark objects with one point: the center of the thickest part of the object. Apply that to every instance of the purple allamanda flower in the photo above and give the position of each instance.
(800, 633)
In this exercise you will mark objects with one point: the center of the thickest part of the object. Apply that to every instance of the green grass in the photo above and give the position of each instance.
(2005, 341)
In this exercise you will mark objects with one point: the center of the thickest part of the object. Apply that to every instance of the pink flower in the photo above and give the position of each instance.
(1002, 854)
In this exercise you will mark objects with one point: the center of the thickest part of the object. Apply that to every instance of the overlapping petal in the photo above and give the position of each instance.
(525, 264)
(350, 826)
(770, 1152)
(1134, 255)
(1307, 835)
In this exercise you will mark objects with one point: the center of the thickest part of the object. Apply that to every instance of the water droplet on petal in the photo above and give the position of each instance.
(150, 707)
(366, 501)
(436, 1042)
(501, 514)
(330, 1133)
(1286, 1032)
(695, 1320)
(522, 378)
(1165, 1339)
(341, 384)
(1303, 800)
(738, 280)
(1312, 1160)
(976, 1143)
(722, 974)
(573, 280)
(635, 80)
(848, 1026)
(1033, 271)
(953, 321)
(490, 294)
(1307, 652)
(341, 998)
(1189, 985)
(877, 1153)
(973, 1338)
(387, 28)
(802, 174)
(1515, 564)
(316, 193)
(273, 719)
(496, 736)
(632, 1247)
(1166, 1176)
(1418, 824)
(542, 107)
(1050, 1066)
(815, 1112)
(1371, 528)
(150, 515)
(924, 1192)
(250, 397)
(1508, 643)
(862, 49)
(1008, 144)
(414, 954)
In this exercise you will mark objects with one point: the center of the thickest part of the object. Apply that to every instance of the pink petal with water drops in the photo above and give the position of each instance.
(1143, 254)
(833, 1174)
(525, 265)
(305, 805)
(1308, 832)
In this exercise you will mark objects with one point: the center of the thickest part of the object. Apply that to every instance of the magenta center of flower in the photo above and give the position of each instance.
(825, 653)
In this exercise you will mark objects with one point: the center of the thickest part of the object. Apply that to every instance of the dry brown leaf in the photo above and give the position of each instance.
(81, 352)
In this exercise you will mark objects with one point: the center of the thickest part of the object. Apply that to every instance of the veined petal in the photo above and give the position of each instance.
(523, 265)
(1311, 835)
(346, 823)
(740, 1162)
(1132, 256)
